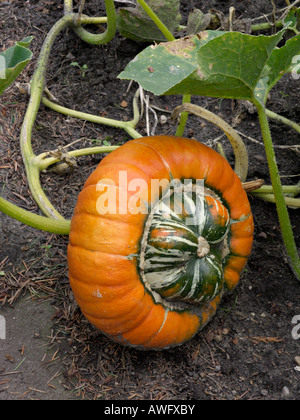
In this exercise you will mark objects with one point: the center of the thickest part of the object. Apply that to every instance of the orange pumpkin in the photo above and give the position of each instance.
(161, 229)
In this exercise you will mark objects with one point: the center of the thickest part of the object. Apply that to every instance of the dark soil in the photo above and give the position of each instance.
(247, 351)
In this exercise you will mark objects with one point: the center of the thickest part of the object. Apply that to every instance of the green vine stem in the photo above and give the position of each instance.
(183, 117)
(291, 190)
(265, 26)
(36, 90)
(98, 39)
(283, 120)
(289, 201)
(45, 162)
(128, 126)
(68, 7)
(240, 151)
(156, 20)
(169, 36)
(31, 162)
(283, 215)
(60, 227)
(266, 193)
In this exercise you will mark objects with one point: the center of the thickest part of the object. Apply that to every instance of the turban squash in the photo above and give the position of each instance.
(161, 229)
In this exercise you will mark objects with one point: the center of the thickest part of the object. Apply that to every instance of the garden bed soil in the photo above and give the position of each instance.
(51, 352)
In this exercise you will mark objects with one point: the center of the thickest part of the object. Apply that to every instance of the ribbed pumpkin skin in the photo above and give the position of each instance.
(104, 249)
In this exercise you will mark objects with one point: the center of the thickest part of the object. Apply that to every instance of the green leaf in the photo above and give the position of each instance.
(197, 22)
(25, 41)
(106, 143)
(280, 62)
(134, 23)
(292, 19)
(12, 62)
(232, 65)
(161, 67)
(214, 63)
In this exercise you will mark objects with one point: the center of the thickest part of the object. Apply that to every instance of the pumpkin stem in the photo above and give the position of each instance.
(252, 185)
(203, 247)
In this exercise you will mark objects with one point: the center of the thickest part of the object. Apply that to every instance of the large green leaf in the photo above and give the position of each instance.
(12, 62)
(280, 62)
(161, 67)
(214, 63)
(134, 23)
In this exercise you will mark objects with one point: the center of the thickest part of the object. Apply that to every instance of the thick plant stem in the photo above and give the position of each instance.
(60, 227)
(265, 26)
(283, 120)
(45, 161)
(183, 116)
(156, 20)
(292, 190)
(36, 90)
(128, 126)
(68, 7)
(283, 215)
(169, 37)
(37, 87)
(107, 36)
(289, 201)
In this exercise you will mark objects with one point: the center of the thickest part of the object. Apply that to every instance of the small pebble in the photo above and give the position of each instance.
(264, 392)
(285, 391)
(262, 235)
(225, 331)
(260, 158)
(297, 360)
(163, 119)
